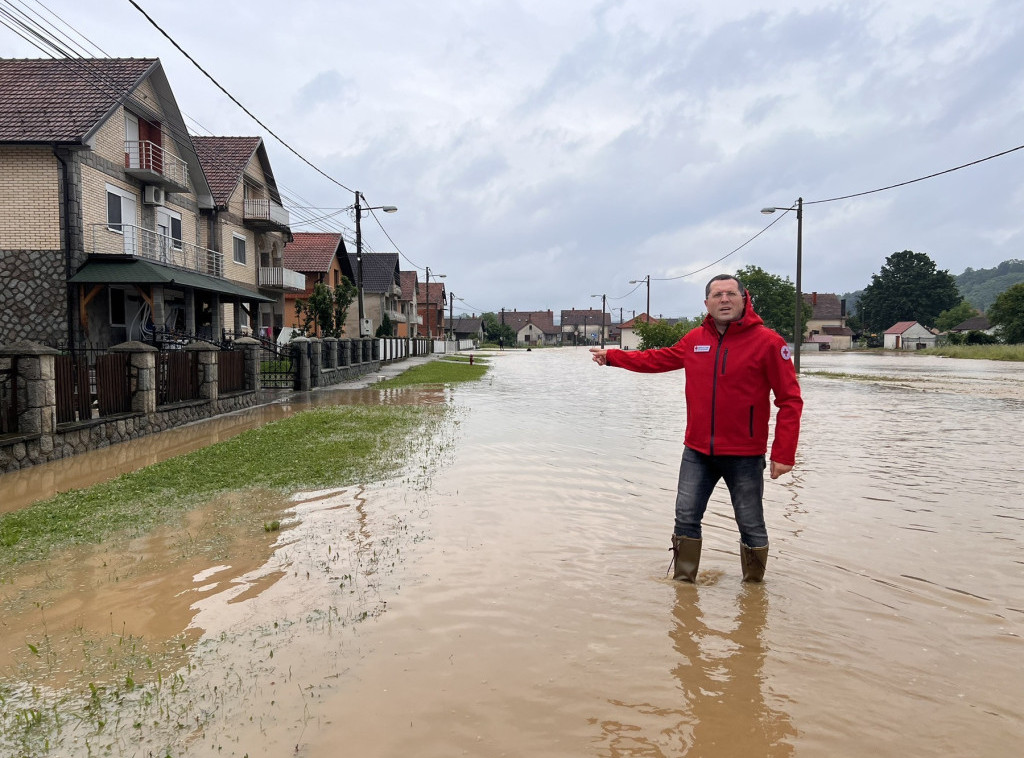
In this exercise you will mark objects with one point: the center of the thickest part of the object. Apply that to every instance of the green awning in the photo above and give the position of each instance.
(148, 272)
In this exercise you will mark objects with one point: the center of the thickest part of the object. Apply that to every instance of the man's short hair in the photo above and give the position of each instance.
(722, 278)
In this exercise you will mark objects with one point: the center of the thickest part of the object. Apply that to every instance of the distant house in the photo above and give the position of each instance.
(908, 335)
(466, 328)
(975, 324)
(584, 326)
(408, 303)
(430, 308)
(382, 292)
(318, 256)
(532, 327)
(827, 322)
(630, 339)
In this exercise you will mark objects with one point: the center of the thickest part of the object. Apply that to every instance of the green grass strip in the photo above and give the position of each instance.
(437, 372)
(325, 447)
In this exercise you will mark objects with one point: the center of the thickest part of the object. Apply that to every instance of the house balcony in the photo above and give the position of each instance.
(278, 278)
(266, 214)
(153, 165)
(128, 241)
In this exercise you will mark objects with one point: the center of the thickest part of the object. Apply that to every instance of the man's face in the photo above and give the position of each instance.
(725, 301)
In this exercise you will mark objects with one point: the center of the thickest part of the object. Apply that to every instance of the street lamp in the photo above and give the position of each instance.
(603, 301)
(648, 280)
(358, 207)
(427, 310)
(798, 331)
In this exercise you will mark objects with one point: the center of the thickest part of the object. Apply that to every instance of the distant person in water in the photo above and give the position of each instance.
(732, 363)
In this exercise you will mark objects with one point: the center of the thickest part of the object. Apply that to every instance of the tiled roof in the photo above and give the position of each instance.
(824, 305)
(643, 317)
(899, 327)
(837, 331)
(585, 317)
(543, 320)
(380, 271)
(976, 323)
(224, 160)
(408, 280)
(312, 252)
(433, 293)
(62, 101)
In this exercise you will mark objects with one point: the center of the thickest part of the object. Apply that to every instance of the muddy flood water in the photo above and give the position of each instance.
(505, 593)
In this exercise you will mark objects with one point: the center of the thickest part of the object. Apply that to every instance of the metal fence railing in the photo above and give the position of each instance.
(230, 370)
(91, 384)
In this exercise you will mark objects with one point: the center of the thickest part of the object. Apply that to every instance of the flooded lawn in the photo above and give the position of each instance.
(504, 595)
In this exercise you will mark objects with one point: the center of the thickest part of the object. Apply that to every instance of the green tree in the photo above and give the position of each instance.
(774, 300)
(1007, 314)
(324, 312)
(662, 334)
(908, 288)
(955, 315)
(386, 328)
(344, 294)
(494, 330)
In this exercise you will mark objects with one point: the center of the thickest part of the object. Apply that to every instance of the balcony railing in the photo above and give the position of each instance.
(282, 278)
(154, 165)
(136, 242)
(262, 209)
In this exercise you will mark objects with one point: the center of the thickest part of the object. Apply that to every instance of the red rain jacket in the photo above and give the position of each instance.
(728, 378)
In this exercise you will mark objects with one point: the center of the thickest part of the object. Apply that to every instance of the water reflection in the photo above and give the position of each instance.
(721, 673)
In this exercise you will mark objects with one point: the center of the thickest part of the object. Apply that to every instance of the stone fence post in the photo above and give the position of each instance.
(252, 362)
(142, 374)
(315, 361)
(330, 352)
(206, 355)
(300, 358)
(35, 387)
(344, 352)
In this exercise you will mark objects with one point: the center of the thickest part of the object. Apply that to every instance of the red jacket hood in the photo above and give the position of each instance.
(748, 320)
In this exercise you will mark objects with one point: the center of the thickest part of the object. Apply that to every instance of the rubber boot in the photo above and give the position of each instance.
(685, 558)
(753, 560)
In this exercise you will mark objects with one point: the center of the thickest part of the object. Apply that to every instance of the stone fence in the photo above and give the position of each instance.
(28, 399)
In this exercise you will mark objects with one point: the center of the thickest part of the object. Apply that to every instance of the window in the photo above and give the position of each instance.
(113, 211)
(176, 232)
(239, 249)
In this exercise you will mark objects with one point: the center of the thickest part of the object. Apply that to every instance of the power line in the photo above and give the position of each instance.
(733, 252)
(233, 99)
(919, 179)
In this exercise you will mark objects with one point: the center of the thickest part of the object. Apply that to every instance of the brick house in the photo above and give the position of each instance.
(104, 207)
(317, 257)
(532, 327)
(408, 304)
(248, 219)
(431, 307)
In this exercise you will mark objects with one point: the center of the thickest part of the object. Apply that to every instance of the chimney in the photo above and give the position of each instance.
(842, 308)
(814, 298)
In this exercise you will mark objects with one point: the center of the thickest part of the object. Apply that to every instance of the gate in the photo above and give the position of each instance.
(277, 368)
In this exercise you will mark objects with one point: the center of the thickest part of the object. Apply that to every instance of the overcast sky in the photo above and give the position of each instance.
(541, 152)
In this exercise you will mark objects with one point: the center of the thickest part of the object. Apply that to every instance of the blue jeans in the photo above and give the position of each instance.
(744, 476)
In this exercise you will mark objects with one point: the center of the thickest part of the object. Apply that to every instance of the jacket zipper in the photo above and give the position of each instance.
(714, 386)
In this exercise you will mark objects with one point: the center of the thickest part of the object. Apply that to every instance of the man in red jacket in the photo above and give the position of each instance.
(732, 362)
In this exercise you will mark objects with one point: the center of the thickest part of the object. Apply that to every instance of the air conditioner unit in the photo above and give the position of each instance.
(153, 195)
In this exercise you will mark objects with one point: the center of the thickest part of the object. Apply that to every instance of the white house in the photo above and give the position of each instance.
(908, 335)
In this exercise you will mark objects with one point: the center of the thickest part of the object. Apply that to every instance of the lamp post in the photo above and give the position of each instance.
(648, 280)
(451, 315)
(358, 207)
(427, 311)
(603, 301)
(798, 332)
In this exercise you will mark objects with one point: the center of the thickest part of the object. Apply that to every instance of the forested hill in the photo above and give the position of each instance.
(980, 287)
